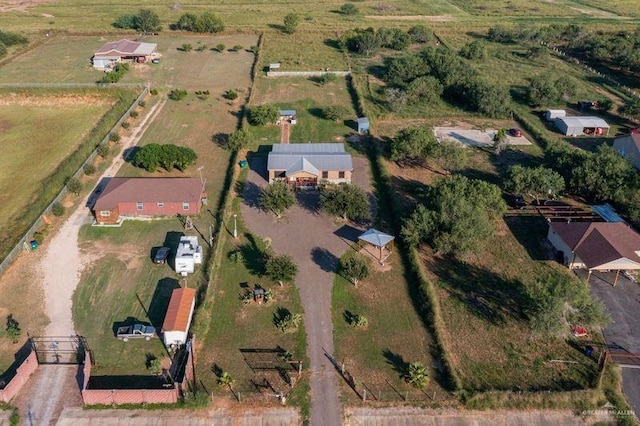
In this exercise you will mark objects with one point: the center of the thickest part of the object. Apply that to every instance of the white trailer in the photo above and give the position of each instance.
(188, 255)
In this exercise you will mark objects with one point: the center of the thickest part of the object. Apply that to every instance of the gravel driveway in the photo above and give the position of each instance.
(312, 239)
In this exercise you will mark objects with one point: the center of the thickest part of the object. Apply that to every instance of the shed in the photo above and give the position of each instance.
(383, 242)
(363, 125)
(552, 114)
(178, 318)
(289, 115)
(188, 255)
(574, 126)
(629, 147)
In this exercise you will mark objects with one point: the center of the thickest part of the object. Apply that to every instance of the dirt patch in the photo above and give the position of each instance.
(430, 18)
(20, 5)
(61, 99)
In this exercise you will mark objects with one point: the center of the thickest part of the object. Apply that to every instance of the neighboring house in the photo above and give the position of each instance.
(552, 114)
(574, 126)
(596, 246)
(177, 320)
(123, 51)
(124, 198)
(305, 165)
(288, 115)
(629, 147)
(363, 125)
(188, 255)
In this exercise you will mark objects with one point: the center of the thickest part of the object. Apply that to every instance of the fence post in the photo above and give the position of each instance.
(364, 395)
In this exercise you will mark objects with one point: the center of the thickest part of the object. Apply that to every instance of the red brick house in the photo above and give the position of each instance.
(148, 197)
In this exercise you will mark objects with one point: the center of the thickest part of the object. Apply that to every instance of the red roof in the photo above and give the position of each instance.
(149, 190)
(178, 314)
(598, 243)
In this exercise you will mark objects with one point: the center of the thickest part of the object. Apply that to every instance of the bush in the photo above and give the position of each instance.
(208, 22)
(291, 22)
(420, 34)
(133, 114)
(74, 186)
(152, 156)
(126, 124)
(325, 78)
(89, 169)
(262, 114)
(230, 94)
(103, 150)
(57, 209)
(349, 9)
(220, 47)
(11, 39)
(3, 49)
(334, 112)
(238, 140)
(186, 47)
(154, 91)
(114, 76)
(142, 104)
(38, 237)
(236, 48)
(114, 137)
(177, 94)
(13, 329)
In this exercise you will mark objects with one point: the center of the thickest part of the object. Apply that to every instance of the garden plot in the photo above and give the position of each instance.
(481, 138)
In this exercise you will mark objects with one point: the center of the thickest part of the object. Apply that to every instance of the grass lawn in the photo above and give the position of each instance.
(319, 51)
(377, 354)
(123, 283)
(235, 326)
(30, 129)
(308, 99)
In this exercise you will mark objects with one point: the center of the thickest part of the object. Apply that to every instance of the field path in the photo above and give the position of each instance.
(62, 266)
(286, 131)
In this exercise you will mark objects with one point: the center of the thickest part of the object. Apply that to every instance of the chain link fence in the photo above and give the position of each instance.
(28, 236)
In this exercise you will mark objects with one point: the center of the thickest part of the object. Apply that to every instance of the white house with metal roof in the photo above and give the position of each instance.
(575, 126)
(304, 165)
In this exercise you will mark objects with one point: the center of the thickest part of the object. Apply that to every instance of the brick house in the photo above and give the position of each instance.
(148, 197)
(307, 164)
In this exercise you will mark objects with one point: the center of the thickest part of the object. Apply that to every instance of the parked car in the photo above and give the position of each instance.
(161, 255)
(515, 133)
(517, 201)
(135, 331)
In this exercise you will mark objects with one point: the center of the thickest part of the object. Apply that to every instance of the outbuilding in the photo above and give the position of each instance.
(288, 115)
(552, 114)
(363, 125)
(629, 147)
(575, 126)
(177, 321)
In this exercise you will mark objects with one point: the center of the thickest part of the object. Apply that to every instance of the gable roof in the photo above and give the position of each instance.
(598, 243)
(629, 147)
(148, 190)
(287, 112)
(581, 121)
(178, 315)
(377, 238)
(126, 47)
(311, 157)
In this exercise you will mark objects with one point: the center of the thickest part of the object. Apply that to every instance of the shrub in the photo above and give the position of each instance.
(230, 94)
(349, 9)
(325, 78)
(334, 112)
(186, 47)
(236, 48)
(220, 47)
(254, 50)
(208, 22)
(420, 34)
(89, 169)
(74, 186)
(201, 48)
(152, 156)
(177, 94)
(133, 114)
(116, 74)
(114, 137)
(103, 150)
(238, 140)
(126, 124)
(417, 375)
(359, 321)
(262, 114)
(154, 91)
(57, 209)
(13, 329)
(38, 237)
(142, 104)
(291, 22)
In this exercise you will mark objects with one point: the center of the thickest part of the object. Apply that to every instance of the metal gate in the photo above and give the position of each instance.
(59, 350)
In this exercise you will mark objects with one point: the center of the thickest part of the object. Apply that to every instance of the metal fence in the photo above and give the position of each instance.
(28, 236)
(306, 73)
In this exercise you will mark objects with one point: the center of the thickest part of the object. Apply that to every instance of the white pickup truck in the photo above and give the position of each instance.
(135, 331)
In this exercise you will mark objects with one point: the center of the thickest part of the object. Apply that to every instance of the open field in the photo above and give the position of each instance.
(319, 53)
(308, 99)
(378, 354)
(124, 284)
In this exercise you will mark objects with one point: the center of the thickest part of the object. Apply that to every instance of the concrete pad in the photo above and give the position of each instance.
(481, 138)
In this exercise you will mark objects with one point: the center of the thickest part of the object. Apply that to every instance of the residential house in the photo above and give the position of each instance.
(177, 320)
(124, 198)
(305, 165)
(629, 147)
(123, 51)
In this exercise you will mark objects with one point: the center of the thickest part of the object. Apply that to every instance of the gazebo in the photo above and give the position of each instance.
(383, 242)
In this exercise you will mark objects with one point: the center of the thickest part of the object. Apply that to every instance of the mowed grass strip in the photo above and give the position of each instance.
(378, 354)
(122, 283)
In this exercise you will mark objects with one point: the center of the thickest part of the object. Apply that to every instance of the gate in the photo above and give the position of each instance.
(60, 350)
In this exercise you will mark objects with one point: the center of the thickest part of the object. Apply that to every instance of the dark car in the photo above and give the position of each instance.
(517, 201)
(161, 255)
(155, 60)
(515, 133)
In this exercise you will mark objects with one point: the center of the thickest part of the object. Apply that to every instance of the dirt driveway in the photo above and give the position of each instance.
(312, 239)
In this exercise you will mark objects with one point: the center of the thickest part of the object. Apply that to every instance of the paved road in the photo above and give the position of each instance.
(623, 304)
(311, 239)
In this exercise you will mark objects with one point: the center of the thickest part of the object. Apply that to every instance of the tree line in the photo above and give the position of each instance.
(148, 21)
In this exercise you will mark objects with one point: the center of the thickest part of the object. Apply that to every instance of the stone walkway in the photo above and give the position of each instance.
(316, 244)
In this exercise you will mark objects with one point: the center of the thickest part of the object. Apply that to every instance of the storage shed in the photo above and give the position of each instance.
(178, 318)
(289, 115)
(363, 125)
(575, 126)
(552, 114)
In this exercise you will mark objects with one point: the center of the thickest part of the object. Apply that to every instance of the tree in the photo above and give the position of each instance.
(417, 375)
(354, 268)
(281, 268)
(209, 22)
(291, 22)
(148, 21)
(541, 91)
(349, 9)
(392, 38)
(534, 181)
(420, 34)
(13, 329)
(631, 108)
(238, 140)
(334, 112)
(413, 145)
(360, 41)
(262, 114)
(187, 22)
(277, 198)
(177, 94)
(602, 175)
(492, 100)
(425, 90)
(457, 215)
(225, 380)
(74, 186)
(152, 156)
(126, 22)
(452, 156)
(345, 200)
(566, 87)
(474, 50)
(500, 141)
(288, 321)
